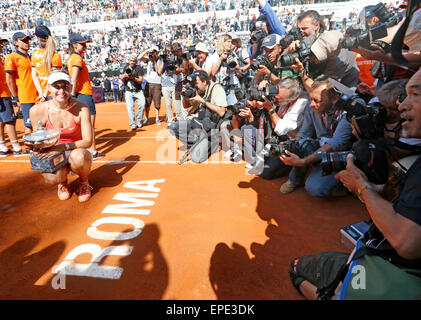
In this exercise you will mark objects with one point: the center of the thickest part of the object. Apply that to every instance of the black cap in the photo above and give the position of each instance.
(42, 32)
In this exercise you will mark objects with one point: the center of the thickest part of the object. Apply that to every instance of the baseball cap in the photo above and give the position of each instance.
(20, 36)
(202, 47)
(326, 44)
(77, 38)
(57, 76)
(42, 32)
(271, 40)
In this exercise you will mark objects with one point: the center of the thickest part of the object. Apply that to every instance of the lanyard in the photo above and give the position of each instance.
(324, 119)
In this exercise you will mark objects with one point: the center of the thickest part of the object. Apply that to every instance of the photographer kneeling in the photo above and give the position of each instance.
(333, 133)
(390, 252)
(210, 100)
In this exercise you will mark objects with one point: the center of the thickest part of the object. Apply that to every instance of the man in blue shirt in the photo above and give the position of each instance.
(333, 133)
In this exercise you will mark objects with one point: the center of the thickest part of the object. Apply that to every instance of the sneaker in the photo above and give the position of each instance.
(97, 155)
(288, 187)
(228, 154)
(21, 152)
(63, 192)
(158, 122)
(145, 122)
(250, 165)
(139, 125)
(84, 191)
(134, 127)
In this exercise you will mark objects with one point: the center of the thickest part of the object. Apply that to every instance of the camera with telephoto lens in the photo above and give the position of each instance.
(293, 35)
(128, 71)
(362, 37)
(302, 53)
(258, 36)
(263, 60)
(232, 60)
(271, 146)
(370, 157)
(270, 91)
(368, 120)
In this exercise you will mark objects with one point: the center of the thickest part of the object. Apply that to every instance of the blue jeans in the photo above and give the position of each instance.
(316, 184)
(253, 142)
(130, 98)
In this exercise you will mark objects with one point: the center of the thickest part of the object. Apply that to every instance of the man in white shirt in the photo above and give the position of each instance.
(286, 113)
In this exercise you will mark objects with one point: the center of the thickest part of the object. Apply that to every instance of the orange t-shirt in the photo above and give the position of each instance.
(37, 61)
(20, 64)
(4, 89)
(364, 65)
(84, 83)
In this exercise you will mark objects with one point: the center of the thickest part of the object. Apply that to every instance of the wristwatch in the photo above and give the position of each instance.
(67, 146)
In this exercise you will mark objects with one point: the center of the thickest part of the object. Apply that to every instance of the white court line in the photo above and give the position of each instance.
(111, 162)
(109, 138)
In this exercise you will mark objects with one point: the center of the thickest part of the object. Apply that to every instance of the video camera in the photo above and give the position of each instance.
(263, 60)
(363, 36)
(258, 36)
(368, 120)
(370, 156)
(270, 91)
(293, 35)
(303, 54)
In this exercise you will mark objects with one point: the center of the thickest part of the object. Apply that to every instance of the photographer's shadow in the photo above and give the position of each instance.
(106, 143)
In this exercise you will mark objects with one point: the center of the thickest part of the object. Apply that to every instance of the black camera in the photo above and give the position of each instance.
(232, 60)
(293, 35)
(370, 156)
(302, 53)
(368, 120)
(172, 64)
(258, 36)
(164, 55)
(290, 145)
(360, 38)
(189, 91)
(263, 60)
(128, 71)
(191, 53)
(270, 91)
(237, 107)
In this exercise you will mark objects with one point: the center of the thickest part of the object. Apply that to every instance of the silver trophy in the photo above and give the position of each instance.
(40, 140)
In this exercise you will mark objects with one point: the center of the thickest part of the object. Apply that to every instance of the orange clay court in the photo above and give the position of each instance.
(155, 229)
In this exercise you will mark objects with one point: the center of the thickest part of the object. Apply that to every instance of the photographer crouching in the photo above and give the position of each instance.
(210, 100)
(390, 252)
(132, 79)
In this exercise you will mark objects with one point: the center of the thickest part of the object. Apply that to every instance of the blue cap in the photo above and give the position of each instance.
(20, 36)
(42, 32)
(77, 38)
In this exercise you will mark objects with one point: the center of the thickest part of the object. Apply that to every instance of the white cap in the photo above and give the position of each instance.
(155, 48)
(57, 76)
(202, 47)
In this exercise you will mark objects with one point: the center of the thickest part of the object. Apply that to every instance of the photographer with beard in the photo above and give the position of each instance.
(132, 79)
(333, 133)
(390, 252)
(328, 59)
(211, 102)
